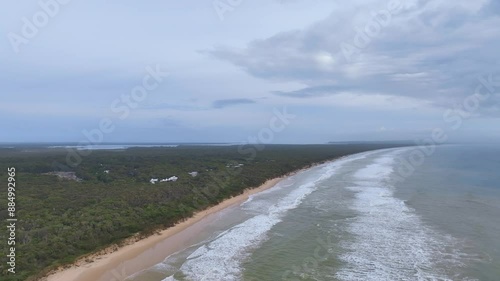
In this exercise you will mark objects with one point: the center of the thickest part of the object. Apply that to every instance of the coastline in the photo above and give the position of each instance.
(95, 266)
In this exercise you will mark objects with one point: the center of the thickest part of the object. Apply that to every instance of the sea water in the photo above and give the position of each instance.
(359, 218)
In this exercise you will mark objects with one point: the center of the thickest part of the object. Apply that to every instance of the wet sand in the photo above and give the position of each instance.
(116, 263)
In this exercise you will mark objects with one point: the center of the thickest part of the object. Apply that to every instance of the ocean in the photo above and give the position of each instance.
(393, 214)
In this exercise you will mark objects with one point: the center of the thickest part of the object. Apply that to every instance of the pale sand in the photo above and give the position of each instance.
(115, 263)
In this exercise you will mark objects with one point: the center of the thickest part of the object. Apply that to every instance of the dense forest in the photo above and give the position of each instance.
(110, 197)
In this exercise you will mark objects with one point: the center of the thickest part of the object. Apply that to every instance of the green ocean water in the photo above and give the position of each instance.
(359, 218)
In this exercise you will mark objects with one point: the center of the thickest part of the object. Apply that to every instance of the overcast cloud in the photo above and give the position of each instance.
(348, 70)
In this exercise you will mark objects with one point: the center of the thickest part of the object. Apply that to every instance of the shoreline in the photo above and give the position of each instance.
(96, 265)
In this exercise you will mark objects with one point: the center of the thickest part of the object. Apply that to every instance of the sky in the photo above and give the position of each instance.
(272, 71)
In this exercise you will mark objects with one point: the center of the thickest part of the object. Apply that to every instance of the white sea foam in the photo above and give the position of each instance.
(221, 258)
(390, 242)
(256, 204)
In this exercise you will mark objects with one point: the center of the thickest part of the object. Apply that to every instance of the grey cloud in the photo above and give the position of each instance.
(310, 92)
(231, 102)
(493, 8)
(179, 107)
(433, 50)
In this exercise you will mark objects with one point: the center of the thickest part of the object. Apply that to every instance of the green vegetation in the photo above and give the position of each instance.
(62, 219)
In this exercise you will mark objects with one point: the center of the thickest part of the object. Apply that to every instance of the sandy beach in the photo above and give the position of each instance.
(116, 263)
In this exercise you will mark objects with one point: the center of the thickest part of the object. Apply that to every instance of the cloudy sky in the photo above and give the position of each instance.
(344, 70)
